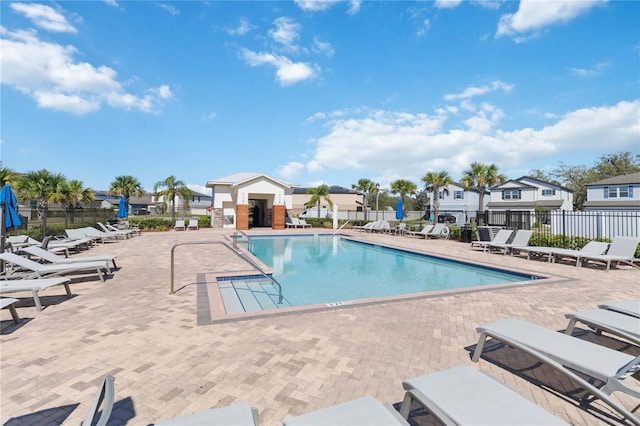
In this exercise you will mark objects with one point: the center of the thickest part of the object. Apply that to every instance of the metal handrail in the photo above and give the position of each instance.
(234, 237)
(342, 226)
(234, 250)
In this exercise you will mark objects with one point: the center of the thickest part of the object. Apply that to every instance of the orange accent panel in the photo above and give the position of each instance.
(277, 218)
(242, 217)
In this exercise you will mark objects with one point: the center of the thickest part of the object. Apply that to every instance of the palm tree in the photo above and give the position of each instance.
(75, 194)
(366, 186)
(404, 188)
(317, 195)
(44, 187)
(173, 187)
(7, 176)
(434, 182)
(480, 177)
(126, 186)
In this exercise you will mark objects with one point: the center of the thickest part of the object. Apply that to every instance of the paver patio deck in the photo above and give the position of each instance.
(166, 365)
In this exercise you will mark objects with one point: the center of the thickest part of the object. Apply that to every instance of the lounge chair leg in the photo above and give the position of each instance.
(36, 299)
(405, 408)
(479, 347)
(571, 326)
(67, 289)
(14, 314)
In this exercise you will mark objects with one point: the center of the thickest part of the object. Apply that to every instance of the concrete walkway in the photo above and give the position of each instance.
(166, 365)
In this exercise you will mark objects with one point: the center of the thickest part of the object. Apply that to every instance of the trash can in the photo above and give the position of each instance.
(466, 234)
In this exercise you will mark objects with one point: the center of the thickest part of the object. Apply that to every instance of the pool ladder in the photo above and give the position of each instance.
(234, 250)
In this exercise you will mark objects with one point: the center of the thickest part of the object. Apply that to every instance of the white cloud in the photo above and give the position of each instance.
(199, 188)
(243, 27)
(210, 116)
(290, 170)
(590, 72)
(170, 8)
(44, 17)
(354, 7)
(316, 5)
(112, 3)
(387, 143)
(534, 15)
(286, 32)
(422, 29)
(287, 71)
(49, 73)
(474, 91)
(447, 4)
(322, 47)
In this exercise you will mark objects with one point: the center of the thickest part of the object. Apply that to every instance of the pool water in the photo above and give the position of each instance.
(334, 270)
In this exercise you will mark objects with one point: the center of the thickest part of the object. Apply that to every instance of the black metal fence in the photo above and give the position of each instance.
(587, 224)
(65, 217)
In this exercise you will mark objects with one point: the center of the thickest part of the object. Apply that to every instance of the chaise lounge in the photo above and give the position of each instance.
(621, 250)
(567, 355)
(34, 286)
(54, 258)
(464, 396)
(38, 270)
(618, 324)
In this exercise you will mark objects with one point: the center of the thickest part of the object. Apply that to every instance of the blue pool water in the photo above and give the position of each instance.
(330, 269)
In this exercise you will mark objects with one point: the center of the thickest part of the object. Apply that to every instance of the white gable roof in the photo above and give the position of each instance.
(243, 177)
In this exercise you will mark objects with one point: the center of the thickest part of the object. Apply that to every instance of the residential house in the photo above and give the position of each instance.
(346, 199)
(245, 200)
(528, 194)
(459, 202)
(199, 204)
(620, 193)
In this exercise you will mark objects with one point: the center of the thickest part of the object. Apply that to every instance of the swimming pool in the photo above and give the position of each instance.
(332, 270)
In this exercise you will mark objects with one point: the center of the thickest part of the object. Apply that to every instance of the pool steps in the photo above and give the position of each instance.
(249, 295)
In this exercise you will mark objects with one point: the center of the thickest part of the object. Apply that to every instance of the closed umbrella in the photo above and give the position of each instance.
(399, 209)
(10, 217)
(123, 212)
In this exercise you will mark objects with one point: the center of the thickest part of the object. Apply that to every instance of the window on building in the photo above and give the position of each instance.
(441, 195)
(623, 192)
(458, 195)
(511, 194)
(613, 192)
(548, 192)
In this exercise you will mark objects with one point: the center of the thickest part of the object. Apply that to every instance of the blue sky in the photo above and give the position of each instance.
(315, 92)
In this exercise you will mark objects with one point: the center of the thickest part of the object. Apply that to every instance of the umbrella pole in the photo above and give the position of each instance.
(3, 234)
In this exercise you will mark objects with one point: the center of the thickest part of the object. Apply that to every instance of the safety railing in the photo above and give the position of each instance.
(234, 250)
(341, 226)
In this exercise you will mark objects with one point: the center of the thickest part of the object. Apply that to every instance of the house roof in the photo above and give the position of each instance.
(243, 177)
(618, 180)
(525, 204)
(612, 202)
(335, 189)
(540, 181)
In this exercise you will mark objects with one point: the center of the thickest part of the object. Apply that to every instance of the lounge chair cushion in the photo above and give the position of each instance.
(237, 415)
(363, 411)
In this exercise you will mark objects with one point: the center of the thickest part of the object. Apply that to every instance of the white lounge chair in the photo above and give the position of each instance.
(621, 250)
(34, 286)
(627, 307)
(303, 223)
(103, 398)
(464, 396)
(119, 233)
(38, 270)
(180, 225)
(604, 320)
(421, 233)
(501, 237)
(193, 225)
(567, 354)
(520, 240)
(554, 253)
(53, 258)
(91, 232)
(367, 227)
(8, 302)
(237, 414)
(363, 411)
(290, 223)
(439, 230)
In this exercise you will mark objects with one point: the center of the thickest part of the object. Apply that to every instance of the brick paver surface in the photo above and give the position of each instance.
(166, 365)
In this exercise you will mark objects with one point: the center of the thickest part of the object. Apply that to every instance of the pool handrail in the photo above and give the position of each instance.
(341, 226)
(234, 250)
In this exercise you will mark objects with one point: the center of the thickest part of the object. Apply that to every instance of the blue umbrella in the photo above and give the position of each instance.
(122, 208)
(399, 209)
(9, 206)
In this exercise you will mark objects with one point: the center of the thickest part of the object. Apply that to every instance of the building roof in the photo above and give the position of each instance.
(243, 177)
(335, 189)
(540, 181)
(525, 204)
(613, 202)
(618, 180)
